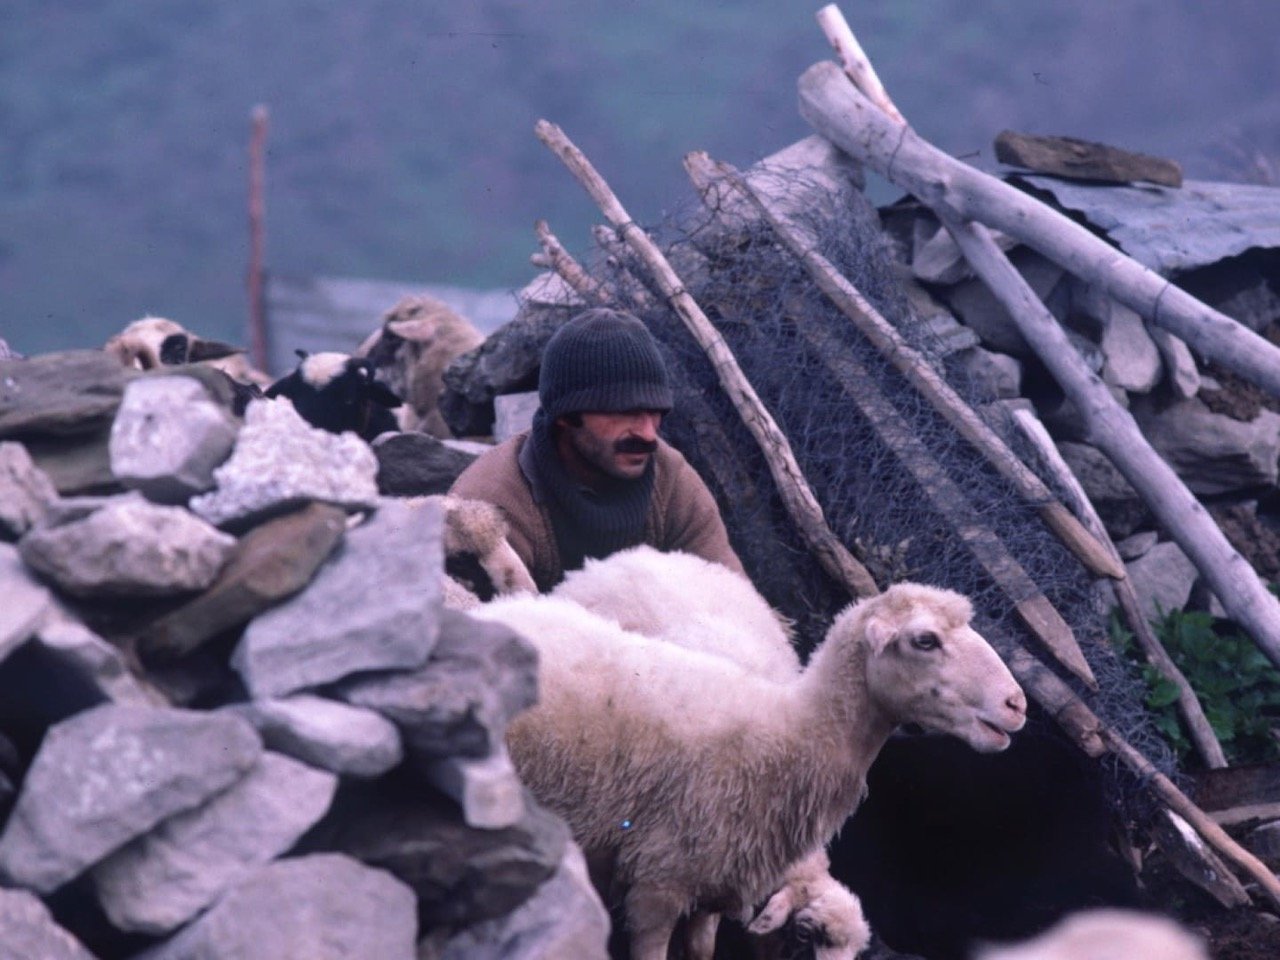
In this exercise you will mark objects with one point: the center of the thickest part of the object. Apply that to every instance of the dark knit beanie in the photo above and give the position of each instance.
(602, 361)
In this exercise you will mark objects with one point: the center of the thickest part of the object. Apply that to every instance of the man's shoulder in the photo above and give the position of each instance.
(500, 465)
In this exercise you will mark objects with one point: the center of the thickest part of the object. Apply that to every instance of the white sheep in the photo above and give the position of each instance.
(705, 781)
(417, 339)
(702, 605)
(1106, 934)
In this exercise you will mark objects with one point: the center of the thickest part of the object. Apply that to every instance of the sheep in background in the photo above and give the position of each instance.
(475, 530)
(705, 781)
(337, 392)
(418, 338)
(153, 342)
(1105, 934)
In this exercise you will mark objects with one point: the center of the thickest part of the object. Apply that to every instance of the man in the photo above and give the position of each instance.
(592, 476)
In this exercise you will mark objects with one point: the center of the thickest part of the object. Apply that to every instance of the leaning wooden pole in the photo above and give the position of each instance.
(802, 505)
(838, 110)
(843, 114)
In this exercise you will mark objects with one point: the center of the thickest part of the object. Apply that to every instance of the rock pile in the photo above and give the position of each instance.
(235, 719)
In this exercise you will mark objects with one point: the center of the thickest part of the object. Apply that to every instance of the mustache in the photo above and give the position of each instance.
(635, 445)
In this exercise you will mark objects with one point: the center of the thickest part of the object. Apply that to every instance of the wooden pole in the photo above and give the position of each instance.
(560, 260)
(257, 241)
(802, 505)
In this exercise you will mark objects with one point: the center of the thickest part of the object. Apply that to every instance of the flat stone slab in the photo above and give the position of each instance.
(29, 932)
(158, 882)
(458, 704)
(415, 464)
(168, 436)
(75, 464)
(374, 605)
(74, 391)
(26, 603)
(325, 733)
(129, 547)
(271, 562)
(321, 907)
(25, 491)
(1213, 453)
(110, 774)
(280, 461)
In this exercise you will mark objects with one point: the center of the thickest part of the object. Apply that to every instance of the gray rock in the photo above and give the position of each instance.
(989, 375)
(25, 491)
(507, 362)
(488, 790)
(74, 652)
(326, 734)
(564, 918)
(1121, 509)
(1181, 372)
(1162, 578)
(26, 603)
(513, 413)
(281, 461)
(110, 774)
(72, 392)
(159, 881)
(168, 436)
(1213, 453)
(415, 464)
(937, 258)
(28, 931)
(459, 703)
(373, 605)
(978, 308)
(461, 875)
(272, 561)
(129, 548)
(1131, 548)
(75, 463)
(321, 907)
(1131, 359)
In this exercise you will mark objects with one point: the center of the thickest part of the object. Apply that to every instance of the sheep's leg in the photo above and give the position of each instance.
(651, 918)
(700, 938)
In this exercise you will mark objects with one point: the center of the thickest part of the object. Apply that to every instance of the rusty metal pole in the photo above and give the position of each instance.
(257, 231)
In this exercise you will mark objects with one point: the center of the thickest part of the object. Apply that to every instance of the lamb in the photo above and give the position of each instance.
(637, 741)
(418, 338)
(337, 392)
(477, 529)
(825, 912)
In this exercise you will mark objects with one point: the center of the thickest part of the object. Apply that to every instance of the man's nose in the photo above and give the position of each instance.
(645, 424)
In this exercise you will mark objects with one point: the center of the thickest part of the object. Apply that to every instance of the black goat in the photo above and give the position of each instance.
(337, 392)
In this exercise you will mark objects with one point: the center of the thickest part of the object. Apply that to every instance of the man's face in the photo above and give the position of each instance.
(617, 445)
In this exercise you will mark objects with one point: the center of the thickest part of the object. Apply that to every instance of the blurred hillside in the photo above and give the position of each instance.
(401, 143)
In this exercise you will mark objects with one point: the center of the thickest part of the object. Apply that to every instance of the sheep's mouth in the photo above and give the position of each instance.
(1002, 736)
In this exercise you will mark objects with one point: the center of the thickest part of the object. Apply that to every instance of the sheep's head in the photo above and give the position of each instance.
(153, 342)
(926, 665)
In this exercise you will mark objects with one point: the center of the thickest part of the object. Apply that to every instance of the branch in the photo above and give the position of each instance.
(562, 262)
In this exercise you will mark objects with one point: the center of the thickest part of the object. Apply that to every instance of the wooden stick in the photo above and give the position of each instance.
(257, 242)
(857, 66)
(796, 494)
(847, 117)
(620, 260)
(1198, 726)
(569, 269)
(919, 372)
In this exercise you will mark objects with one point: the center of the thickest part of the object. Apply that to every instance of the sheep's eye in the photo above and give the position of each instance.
(926, 641)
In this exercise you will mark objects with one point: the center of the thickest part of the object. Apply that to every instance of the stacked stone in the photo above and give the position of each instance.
(234, 718)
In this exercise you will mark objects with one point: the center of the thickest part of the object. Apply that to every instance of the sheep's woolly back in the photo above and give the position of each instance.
(686, 600)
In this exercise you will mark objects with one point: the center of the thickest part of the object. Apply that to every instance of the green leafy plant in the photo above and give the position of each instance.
(1237, 686)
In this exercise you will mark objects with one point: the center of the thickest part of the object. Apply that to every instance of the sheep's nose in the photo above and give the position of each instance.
(1017, 701)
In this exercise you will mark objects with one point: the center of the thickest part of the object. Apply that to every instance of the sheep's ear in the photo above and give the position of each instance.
(774, 913)
(383, 395)
(211, 350)
(879, 632)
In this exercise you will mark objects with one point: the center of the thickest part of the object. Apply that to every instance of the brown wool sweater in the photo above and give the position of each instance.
(682, 513)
